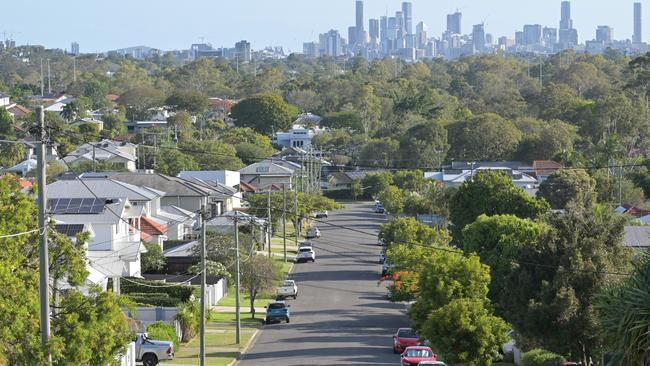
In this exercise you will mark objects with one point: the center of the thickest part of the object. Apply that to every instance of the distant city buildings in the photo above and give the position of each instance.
(637, 38)
(74, 49)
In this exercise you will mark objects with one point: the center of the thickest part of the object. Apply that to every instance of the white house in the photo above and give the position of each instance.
(225, 177)
(123, 154)
(266, 173)
(456, 177)
(4, 100)
(300, 135)
(59, 104)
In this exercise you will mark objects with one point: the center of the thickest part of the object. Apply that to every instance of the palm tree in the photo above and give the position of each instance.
(624, 312)
(70, 112)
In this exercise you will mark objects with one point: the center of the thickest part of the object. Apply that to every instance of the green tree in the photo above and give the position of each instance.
(153, 260)
(7, 128)
(411, 180)
(542, 140)
(139, 100)
(181, 123)
(374, 183)
(424, 145)
(344, 119)
(367, 103)
(265, 113)
(393, 199)
(379, 152)
(172, 161)
(407, 230)
(622, 309)
(11, 154)
(259, 274)
(188, 100)
(568, 186)
(356, 189)
(553, 289)
(70, 112)
(485, 137)
(491, 193)
(212, 155)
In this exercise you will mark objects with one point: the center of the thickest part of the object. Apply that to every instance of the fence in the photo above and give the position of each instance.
(128, 358)
(216, 292)
(144, 316)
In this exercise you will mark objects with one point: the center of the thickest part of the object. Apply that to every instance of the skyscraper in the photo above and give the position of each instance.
(568, 35)
(604, 34)
(532, 34)
(478, 37)
(637, 37)
(453, 23)
(243, 50)
(333, 44)
(74, 48)
(421, 35)
(373, 30)
(407, 10)
(352, 35)
(360, 38)
(549, 36)
(383, 28)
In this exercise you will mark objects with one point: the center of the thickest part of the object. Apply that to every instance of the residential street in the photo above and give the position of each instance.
(341, 316)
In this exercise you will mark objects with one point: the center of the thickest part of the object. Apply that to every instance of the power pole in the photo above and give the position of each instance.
(42, 81)
(295, 209)
(270, 228)
(203, 280)
(284, 219)
(94, 161)
(237, 311)
(74, 69)
(49, 85)
(44, 270)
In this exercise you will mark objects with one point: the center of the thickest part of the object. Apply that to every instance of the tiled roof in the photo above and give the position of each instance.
(246, 187)
(152, 227)
(24, 183)
(144, 236)
(546, 167)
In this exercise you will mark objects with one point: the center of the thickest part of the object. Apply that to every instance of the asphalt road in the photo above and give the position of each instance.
(341, 316)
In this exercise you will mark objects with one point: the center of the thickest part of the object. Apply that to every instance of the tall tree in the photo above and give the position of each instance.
(485, 137)
(568, 186)
(259, 274)
(424, 145)
(265, 113)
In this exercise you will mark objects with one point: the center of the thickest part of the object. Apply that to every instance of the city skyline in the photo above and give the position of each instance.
(215, 22)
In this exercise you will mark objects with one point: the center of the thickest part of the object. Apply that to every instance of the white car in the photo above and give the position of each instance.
(288, 289)
(306, 244)
(306, 254)
(508, 348)
(312, 233)
(321, 215)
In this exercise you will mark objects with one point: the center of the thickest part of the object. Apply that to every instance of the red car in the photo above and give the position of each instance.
(412, 356)
(404, 337)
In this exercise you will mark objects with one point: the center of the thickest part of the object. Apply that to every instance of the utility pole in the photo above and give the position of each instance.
(49, 85)
(237, 287)
(541, 64)
(284, 219)
(270, 228)
(203, 280)
(74, 69)
(295, 209)
(44, 278)
(42, 81)
(94, 161)
(620, 183)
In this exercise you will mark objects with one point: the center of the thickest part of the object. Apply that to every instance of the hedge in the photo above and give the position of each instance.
(182, 292)
(540, 357)
(161, 331)
(154, 299)
(338, 194)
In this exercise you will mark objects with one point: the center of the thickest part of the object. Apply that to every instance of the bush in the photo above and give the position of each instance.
(188, 317)
(162, 331)
(184, 293)
(338, 194)
(154, 299)
(540, 357)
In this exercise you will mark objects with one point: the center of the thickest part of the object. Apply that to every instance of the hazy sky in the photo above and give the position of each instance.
(100, 25)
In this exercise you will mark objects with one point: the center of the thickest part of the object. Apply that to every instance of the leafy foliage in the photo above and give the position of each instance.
(264, 113)
(540, 357)
(568, 186)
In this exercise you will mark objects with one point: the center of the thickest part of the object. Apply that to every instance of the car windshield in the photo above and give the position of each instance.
(406, 333)
(305, 250)
(418, 353)
(276, 306)
(288, 283)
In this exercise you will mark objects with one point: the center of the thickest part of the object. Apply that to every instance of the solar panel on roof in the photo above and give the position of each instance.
(69, 229)
(70, 206)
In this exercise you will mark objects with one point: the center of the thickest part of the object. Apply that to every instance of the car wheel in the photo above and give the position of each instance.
(287, 320)
(395, 350)
(295, 296)
(266, 321)
(149, 360)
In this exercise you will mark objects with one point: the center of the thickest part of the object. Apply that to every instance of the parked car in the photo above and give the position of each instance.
(403, 338)
(306, 254)
(508, 348)
(321, 215)
(412, 356)
(277, 312)
(288, 289)
(435, 363)
(312, 233)
(381, 242)
(380, 209)
(150, 352)
(382, 258)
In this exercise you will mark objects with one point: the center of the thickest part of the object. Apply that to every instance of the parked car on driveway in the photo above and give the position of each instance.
(306, 254)
(149, 351)
(403, 338)
(277, 312)
(288, 289)
(412, 356)
(321, 215)
(312, 233)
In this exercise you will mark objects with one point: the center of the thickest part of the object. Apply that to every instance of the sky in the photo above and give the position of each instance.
(99, 25)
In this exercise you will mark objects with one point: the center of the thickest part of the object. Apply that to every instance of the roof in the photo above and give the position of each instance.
(245, 187)
(151, 227)
(172, 186)
(89, 187)
(637, 237)
(111, 213)
(227, 219)
(546, 167)
(308, 118)
(460, 176)
(183, 250)
(103, 150)
(24, 183)
(18, 110)
(266, 167)
(360, 174)
(207, 175)
(69, 229)
(341, 178)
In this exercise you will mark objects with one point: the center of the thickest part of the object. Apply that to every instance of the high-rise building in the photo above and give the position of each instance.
(549, 36)
(407, 10)
(243, 50)
(74, 48)
(352, 35)
(519, 38)
(568, 35)
(637, 37)
(421, 35)
(489, 38)
(333, 43)
(311, 49)
(383, 28)
(399, 19)
(532, 35)
(478, 37)
(359, 24)
(373, 30)
(604, 34)
(453, 23)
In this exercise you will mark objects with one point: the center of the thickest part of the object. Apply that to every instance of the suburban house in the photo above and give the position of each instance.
(16, 110)
(81, 121)
(544, 168)
(225, 177)
(344, 180)
(640, 215)
(59, 104)
(30, 151)
(136, 127)
(266, 173)
(157, 224)
(454, 177)
(186, 194)
(637, 238)
(4, 100)
(225, 224)
(118, 153)
(115, 243)
(303, 130)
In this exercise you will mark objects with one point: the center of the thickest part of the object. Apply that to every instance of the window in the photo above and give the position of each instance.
(262, 169)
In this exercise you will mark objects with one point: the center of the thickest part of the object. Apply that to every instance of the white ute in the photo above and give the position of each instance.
(288, 289)
(149, 351)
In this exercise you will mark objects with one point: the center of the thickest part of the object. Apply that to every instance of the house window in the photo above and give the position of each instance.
(262, 169)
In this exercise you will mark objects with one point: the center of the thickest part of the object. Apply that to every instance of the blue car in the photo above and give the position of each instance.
(277, 312)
